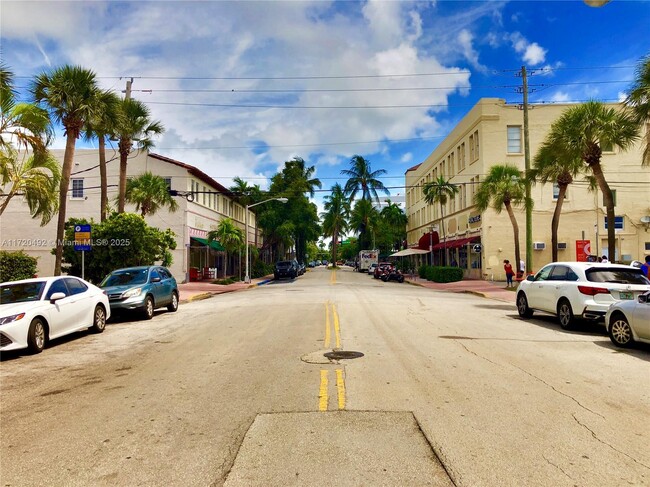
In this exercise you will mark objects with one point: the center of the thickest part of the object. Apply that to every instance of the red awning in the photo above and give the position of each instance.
(427, 239)
(454, 244)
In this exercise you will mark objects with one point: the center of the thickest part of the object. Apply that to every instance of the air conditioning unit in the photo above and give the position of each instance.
(561, 245)
(539, 245)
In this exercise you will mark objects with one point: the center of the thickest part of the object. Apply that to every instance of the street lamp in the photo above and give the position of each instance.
(247, 277)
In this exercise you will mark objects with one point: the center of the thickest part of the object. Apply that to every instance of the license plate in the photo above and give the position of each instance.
(624, 295)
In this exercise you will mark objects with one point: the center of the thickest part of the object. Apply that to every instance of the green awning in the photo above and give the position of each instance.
(214, 244)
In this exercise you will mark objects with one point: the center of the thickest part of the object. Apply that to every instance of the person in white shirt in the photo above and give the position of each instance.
(605, 261)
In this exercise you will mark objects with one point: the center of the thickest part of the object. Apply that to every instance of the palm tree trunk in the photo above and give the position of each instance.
(515, 230)
(225, 264)
(335, 240)
(6, 201)
(555, 223)
(103, 179)
(609, 206)
(66, 170)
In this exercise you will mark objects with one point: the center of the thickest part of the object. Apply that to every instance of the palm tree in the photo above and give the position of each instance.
(70, 94)
(300, 177)
(335, 217)
(581, 132)
(639, 100)
(101, 126)
(363, 220)
(22, 125)
(362, 178)
(439, 191)
(134, 128)
(396, 220)
(149, 193)
(551, 165)
(36, 177)
(503, 187)
(229, 235)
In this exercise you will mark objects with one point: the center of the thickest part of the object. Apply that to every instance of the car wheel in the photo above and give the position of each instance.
(99, 319)
(620, 331)
(384, 278)
(565, 314)
(148, 308)
(36, 336)
(522, 306)
(173, 306)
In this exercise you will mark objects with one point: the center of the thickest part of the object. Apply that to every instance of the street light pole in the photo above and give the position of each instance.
(247, 277)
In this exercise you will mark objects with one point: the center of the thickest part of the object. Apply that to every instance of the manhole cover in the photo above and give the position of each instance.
(342, 354)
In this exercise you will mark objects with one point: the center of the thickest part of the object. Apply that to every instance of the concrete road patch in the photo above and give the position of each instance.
(344, 447)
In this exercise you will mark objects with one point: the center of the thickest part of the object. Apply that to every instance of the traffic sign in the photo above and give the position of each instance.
(82, 238)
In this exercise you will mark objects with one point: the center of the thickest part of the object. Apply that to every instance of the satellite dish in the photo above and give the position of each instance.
(645, 219)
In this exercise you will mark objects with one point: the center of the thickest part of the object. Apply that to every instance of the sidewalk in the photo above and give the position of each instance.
(193, 291)
(488, 289)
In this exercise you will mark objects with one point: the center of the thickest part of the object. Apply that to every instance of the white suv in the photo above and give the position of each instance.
(585, 290)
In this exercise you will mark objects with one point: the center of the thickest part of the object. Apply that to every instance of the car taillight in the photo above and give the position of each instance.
(592, 291)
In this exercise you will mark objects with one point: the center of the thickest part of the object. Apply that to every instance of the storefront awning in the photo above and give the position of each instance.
(428, 239)
(405, 252)
(213, 245)
(456, 243)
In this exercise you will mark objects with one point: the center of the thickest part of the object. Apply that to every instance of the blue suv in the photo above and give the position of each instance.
(141, 289)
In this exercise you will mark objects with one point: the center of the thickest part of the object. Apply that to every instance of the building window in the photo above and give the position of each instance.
(613, 197)
(556, 192)
(607, 147)
(77, 188)
(476, 146)
(618, 223)
(647, 246)
(514, 139)
(471, 148)
(168, 182)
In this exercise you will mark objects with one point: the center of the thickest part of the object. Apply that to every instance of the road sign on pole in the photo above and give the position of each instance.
(82, 238)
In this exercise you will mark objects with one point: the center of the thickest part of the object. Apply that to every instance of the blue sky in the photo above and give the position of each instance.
(242, 87)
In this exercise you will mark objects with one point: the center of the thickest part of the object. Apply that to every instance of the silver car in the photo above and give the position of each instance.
(629, 321)
(584, 290)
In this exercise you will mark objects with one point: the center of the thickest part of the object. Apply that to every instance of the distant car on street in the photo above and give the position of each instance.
(34, 311)
(141, 290)
(629, 321)
(285, 268)
(584, 290)
(371, 269)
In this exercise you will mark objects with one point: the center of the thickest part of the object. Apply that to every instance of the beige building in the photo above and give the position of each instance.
(209, 203)
(492, 133)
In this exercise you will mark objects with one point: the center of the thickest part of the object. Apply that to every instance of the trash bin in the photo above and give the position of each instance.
(194, 274)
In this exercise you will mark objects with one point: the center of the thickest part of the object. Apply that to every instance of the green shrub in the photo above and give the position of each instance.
(261, 269)
(445, 274)
(224, 282)
(16, 265)
(422, 271)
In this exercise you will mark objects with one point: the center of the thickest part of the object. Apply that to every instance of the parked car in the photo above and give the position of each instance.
(371, 269)
(34, 311)
(141, 290)
(311, 264)
(285, 268)
(629, 321)
(301, 268)
(585, 290)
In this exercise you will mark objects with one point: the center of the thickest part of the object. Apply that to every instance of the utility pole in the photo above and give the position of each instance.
(529, 210)
(127, 93)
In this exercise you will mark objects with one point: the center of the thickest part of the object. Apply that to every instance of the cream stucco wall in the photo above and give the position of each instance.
(582, 212)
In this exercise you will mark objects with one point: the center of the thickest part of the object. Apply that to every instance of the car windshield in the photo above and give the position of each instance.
(284, 264)
(125, 278)
(618, 276)
(21, 292)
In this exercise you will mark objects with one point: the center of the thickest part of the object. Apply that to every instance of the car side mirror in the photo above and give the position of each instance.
(56, 297)
(643, 298)
(530, 278)
(155, 279)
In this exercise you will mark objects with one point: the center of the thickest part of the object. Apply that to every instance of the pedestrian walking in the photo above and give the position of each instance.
(509, 273)
(645, 268)
(604, 259)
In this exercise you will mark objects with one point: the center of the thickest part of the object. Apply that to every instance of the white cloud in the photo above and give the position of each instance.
(532, 53)
(408, 157)
(465, 39)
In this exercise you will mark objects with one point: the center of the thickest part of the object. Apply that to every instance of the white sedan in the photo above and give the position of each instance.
(585, 290)
(33, 311)
(629, 321)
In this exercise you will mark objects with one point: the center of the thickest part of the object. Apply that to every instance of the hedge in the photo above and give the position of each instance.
(16, 265)
(440, 274)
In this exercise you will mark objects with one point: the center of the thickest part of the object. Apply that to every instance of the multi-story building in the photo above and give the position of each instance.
(492, 133)
(208, 203)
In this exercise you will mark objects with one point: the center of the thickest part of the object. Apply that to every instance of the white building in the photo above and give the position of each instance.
(191, 222)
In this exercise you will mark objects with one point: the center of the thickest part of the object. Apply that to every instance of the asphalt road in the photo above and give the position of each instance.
(452, 389)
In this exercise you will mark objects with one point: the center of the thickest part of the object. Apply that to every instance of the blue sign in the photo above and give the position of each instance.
(82, 238)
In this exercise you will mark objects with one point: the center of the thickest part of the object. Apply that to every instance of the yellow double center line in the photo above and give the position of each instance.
(323, 398)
